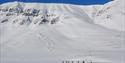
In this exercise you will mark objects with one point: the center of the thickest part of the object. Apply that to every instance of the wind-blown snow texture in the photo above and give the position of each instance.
(53, 33)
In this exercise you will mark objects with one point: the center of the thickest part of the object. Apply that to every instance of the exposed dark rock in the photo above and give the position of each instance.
(5, 20)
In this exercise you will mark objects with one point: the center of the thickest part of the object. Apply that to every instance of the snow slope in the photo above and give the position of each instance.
(110, 15)
(24, 39)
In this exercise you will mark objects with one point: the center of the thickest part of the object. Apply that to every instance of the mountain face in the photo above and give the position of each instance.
(56, 33)
(35, 14)
(111, 15)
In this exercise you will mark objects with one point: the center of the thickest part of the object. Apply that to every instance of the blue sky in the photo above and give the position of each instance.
(80, 2)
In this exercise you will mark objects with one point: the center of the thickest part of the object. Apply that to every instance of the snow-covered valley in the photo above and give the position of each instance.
(59, 33)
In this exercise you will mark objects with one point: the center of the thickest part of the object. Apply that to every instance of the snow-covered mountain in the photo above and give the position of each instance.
(56, 33)
(111, 15)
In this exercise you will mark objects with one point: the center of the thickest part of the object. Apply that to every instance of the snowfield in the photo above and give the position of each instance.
(61, 33)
